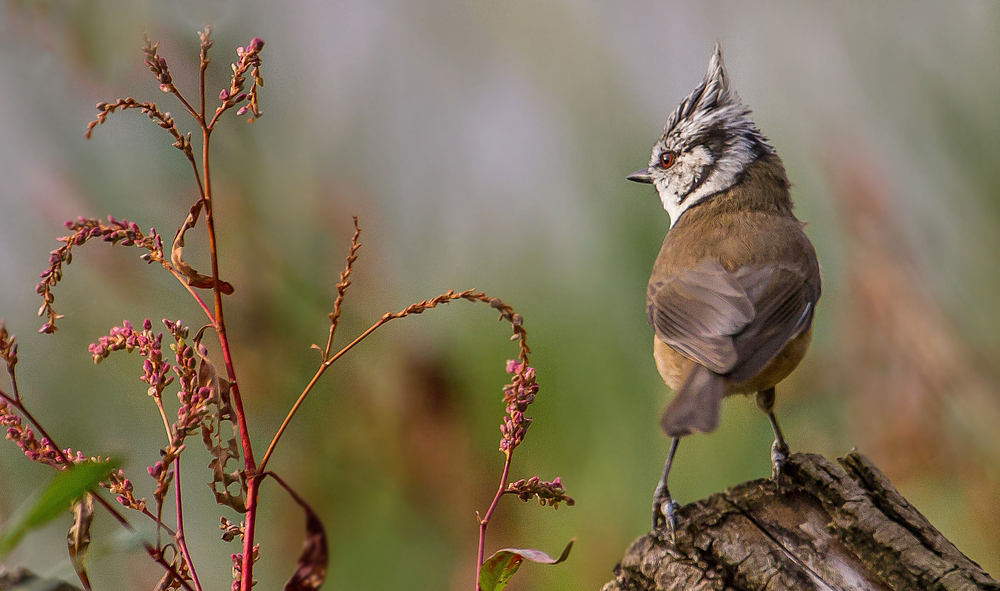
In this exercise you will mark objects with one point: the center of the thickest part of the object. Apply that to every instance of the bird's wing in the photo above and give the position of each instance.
(732, 323)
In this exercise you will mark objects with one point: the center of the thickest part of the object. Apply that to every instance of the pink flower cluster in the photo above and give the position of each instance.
(36, 450)
(518, 394)
(547, 493)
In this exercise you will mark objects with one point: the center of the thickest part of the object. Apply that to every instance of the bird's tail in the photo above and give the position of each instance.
(696, 405)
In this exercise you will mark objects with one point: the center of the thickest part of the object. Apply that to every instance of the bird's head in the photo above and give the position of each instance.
(707, 143)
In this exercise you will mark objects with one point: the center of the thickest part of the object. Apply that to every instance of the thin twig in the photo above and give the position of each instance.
(506, 313)
(163, 414)
(66, 461)
(485, 520)
(249, 462)
(204, 307)
(179, 536)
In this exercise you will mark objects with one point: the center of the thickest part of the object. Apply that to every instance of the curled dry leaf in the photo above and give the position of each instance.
(78, 536)
(211, 432)
(194, 278)
(310, 570)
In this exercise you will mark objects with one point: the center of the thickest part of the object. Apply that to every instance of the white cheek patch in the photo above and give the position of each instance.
(734, 161)
(691, 167)
(674, 187)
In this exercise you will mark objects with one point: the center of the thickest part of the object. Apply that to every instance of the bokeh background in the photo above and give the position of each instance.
(485, 144)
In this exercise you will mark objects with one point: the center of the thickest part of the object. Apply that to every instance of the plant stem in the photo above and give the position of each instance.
(319, 373)
(187, 105)
(153, 552)
(19, 406)
(204, 307)
(219, 323)
(485, 521)
(449, 296)
(13, 385)
(179, 537)
(250, 523)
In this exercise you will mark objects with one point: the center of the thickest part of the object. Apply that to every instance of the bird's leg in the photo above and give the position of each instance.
(664, 507)
(779, 449)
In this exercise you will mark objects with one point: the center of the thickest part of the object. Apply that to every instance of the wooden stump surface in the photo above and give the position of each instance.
(829, 528)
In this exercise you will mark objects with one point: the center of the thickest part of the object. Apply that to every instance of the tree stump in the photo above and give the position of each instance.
(827, 529)
(21, 579)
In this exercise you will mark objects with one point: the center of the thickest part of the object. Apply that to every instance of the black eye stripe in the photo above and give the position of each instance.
(699, 180)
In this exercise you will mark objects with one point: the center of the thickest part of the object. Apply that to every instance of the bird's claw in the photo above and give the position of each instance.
(665, 517)
(779, 456)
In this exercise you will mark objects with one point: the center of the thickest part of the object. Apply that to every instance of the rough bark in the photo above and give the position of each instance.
(21, 579)
(827, 529)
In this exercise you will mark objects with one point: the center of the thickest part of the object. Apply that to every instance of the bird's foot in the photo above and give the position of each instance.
(665, 517)
(779, 456)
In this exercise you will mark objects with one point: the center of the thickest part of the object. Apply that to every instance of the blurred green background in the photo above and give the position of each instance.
(485, 144)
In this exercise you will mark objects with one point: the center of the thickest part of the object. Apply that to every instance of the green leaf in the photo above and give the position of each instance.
(499, 568)
(66, 488)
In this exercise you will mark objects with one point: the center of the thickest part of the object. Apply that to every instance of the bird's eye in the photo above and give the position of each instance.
(667, 159)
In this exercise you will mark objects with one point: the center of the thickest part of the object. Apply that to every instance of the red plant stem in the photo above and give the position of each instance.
(179, 537)
(194, 294)
(485, 521)
(201, 85)
(220, 323)
(249, 463)
(250, 523)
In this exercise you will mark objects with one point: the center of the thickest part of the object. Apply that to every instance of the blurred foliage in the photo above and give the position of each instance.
(485, 145)
(65, 488)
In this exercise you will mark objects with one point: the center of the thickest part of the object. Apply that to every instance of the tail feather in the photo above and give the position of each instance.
(697, 404)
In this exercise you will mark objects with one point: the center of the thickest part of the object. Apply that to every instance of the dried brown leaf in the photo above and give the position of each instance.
(310, 570)
(193, 277)
(211, 431)
(78, 537)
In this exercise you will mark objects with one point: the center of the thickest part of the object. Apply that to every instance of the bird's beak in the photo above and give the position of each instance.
(641, 176)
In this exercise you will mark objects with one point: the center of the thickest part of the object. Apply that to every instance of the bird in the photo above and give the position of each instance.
(734, 288)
